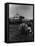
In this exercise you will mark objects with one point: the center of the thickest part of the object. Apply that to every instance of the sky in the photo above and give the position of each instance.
(22, 10)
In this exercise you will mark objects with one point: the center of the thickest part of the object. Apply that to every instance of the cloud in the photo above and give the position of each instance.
(22, 10)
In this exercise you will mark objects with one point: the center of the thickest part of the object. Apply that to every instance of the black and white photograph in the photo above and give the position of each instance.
(19, 22)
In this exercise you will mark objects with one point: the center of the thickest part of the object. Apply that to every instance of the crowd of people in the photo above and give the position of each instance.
(25, 29)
